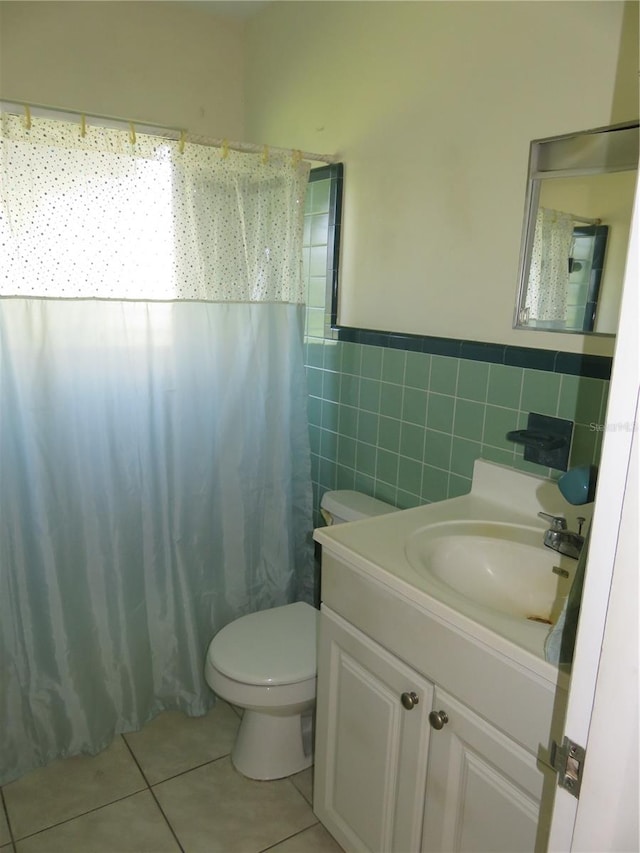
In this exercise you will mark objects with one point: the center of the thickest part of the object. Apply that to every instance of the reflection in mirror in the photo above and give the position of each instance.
(576, 230)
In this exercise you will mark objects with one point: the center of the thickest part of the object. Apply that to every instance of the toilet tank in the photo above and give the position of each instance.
(346, 505)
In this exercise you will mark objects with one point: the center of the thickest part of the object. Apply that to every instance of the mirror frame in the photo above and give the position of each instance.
(531, 204)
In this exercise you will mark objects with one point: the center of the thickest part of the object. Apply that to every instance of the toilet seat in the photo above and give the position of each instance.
(270, 647)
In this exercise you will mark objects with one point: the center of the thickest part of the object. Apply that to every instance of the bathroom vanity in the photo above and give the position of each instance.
(436, 707)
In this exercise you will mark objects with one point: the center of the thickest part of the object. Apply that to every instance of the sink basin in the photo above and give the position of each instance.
(504, 567)
(476, 562)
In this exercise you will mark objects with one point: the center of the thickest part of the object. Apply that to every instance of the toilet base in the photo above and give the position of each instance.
(271, 747)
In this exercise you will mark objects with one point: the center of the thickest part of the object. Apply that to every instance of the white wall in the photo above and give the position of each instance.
(161, 62)
(432, 106)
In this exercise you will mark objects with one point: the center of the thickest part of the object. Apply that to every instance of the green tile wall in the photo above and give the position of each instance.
(407, 427)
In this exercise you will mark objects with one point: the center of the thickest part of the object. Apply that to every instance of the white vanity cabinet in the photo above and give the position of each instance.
(483, 790)
(371, 750)
(386, 780)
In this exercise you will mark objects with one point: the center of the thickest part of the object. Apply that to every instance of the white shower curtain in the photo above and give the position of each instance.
(154, 461)
(549, 268)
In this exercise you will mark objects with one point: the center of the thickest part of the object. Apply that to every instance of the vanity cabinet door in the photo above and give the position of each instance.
(371, 749)
(483, 789)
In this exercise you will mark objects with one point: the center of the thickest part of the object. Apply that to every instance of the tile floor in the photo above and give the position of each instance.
(170, 787)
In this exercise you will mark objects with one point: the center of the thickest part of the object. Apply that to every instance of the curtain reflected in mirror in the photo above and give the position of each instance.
(576, 230)
(565, 272)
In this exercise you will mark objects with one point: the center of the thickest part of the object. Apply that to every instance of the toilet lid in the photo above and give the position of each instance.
(274, 646)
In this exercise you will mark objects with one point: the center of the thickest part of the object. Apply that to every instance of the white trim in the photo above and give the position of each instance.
(614, 467)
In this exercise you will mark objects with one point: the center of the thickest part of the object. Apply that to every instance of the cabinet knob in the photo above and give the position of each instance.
(438, 719)
(409, 700)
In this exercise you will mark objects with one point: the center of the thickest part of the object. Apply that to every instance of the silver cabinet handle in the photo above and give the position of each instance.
(438, 719)
(409, 700)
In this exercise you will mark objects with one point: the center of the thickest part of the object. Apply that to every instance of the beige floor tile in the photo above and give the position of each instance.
(5, 837)
(304, 783)
(174, 742)
(132, 825)
(316, 839)
(216, 810)
(70, 787)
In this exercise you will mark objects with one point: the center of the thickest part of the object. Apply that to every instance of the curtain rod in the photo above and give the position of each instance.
(174, 133)
(585, 219)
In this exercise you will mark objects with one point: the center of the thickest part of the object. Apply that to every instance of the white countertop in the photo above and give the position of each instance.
(376, 547)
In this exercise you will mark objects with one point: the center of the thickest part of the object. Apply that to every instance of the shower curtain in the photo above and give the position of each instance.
(549, 269)
(154, 460)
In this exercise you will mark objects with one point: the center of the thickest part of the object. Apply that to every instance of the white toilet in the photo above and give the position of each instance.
(265, 662)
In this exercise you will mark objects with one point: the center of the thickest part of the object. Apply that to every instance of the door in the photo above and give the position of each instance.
(483, 789)
(607, 680)
(371, 750)
(610, 783)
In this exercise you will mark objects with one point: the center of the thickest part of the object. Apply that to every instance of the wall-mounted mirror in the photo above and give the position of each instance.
(576, 230)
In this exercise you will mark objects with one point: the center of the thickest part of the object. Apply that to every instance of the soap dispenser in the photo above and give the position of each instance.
(578, 485)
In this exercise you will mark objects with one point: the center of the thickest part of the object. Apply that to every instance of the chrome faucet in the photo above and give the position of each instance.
(560, 539)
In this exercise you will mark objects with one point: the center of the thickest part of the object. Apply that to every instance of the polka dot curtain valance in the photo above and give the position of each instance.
(100, 216)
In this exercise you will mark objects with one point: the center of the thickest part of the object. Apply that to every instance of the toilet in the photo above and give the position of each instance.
(265, 663)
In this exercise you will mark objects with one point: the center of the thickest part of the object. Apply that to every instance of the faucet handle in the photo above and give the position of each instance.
(557, 521)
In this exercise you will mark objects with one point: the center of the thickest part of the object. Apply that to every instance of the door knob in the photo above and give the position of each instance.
(438, 719)
(409, 700)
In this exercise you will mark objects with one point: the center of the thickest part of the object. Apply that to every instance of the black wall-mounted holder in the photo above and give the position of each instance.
(546, 440)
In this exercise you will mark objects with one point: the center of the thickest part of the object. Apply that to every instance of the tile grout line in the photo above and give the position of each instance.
(289, 837)
(427, 389)
(75, 817)
(453, 429)
(153, 794)
(12, 840)
(188, 770)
